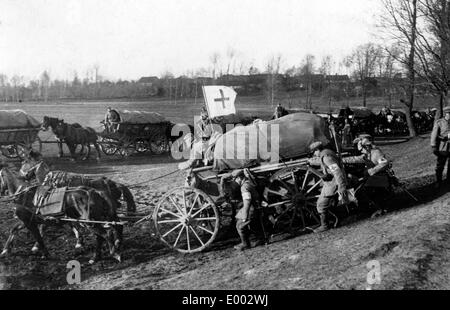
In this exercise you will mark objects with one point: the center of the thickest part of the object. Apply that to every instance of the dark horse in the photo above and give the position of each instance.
(52, 122)
(73, 136)
(56, 179)
(80, 203)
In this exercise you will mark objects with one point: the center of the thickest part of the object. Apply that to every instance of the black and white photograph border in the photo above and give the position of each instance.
(236, 147)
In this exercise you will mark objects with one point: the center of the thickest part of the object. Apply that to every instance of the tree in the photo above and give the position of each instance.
(307, 69)
(399, 20)
(363, 62)
(45, 84)
(272, 84)
(231, 53)
(214, 58)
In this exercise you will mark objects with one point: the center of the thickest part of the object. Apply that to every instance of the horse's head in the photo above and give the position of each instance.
(60, 128)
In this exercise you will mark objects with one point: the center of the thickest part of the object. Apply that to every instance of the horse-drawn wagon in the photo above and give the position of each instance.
(18, 133)
(136, 131)
(188, 219)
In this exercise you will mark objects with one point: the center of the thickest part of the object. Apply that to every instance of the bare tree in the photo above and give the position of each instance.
(273, 67)
(399, 23)
(215, 59)
(231, 53)
(363, 63)
(307, 69)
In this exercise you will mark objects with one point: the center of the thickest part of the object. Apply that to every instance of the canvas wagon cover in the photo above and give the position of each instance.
(17, 119)
(140, 117)
(296, 133)
(363, 112)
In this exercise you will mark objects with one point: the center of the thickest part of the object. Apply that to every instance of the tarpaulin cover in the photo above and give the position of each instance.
(140, 117)
(17, 119)
(257, 143)
(362, 112)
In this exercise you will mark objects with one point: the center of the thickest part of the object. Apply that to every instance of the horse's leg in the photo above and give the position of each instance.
(82, 149)
(14, 231)
(100, 234)
(71, 150)
(29, 219)
(88, 152)
(35, 247)
(97, 148)
(78, 236)
(128, 197)
(60, 148)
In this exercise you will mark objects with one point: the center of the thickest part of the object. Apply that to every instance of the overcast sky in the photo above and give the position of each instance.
(133, 38)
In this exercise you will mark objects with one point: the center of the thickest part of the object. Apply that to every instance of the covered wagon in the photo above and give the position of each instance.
(18, 132)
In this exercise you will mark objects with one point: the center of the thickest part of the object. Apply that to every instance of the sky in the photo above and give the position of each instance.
(128, 39)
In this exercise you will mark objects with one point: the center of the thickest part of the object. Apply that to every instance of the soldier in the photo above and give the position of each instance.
(203, 130)
(333, 182)
(246, 217)
(112, 119)
(377, 186)
(441, 146)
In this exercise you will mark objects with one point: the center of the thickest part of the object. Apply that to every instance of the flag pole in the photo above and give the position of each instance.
(207, 108)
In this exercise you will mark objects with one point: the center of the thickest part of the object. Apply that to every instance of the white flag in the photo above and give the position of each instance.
(219, 100)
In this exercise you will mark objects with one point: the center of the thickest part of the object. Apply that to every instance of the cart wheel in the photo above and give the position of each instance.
(141, 146)
(186, 220)
(292, 195)
(160, 146)
(126, 150)
(108, 146)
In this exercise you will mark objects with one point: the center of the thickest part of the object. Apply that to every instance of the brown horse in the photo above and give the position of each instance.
(80, 203)
(73, 136)
(52, 122)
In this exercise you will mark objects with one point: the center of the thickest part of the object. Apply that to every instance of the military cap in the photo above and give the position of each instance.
(447, 109)
(366, 142)
(315, 145)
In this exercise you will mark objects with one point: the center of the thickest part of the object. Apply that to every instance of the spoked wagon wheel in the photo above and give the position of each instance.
(108, 146)
(186, 219)
(127, 149)
(292, 195)
(159, 146)
(141, 146)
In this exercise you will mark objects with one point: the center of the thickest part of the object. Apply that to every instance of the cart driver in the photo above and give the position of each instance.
(334, 182)
(246, 217)
(112, 120)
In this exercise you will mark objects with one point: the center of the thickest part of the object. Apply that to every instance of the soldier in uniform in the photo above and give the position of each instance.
(440, 144)
(376, 171)
(334, 182)
(246, 217)
(203, 126)
(112, 120)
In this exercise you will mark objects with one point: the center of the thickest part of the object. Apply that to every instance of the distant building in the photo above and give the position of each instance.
(149, 80)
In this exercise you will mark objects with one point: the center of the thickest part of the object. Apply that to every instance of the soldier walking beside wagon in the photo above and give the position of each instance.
(440, 144)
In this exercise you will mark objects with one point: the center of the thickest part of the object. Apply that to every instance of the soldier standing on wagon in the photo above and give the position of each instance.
(440, 144)
(112, 120)
(334, 182)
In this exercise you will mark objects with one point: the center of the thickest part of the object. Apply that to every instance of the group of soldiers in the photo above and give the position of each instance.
(336, 185)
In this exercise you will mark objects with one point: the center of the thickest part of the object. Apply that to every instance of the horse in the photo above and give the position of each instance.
(56, 179)
(14, 185)
(73, 136)
(52, 123)
(80, 203)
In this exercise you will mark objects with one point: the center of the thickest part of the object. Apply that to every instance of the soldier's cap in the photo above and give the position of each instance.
(204, 110)
(315, 145)
(361, 137)
(366, 142)
(447, 109)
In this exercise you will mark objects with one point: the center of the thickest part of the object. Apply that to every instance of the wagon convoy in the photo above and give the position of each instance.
(190, 218)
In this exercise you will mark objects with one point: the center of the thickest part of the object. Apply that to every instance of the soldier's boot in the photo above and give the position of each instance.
(245, 241)
(438, 184)
(324, 226)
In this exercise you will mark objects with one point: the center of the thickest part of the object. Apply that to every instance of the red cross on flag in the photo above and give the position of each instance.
(219, 100)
